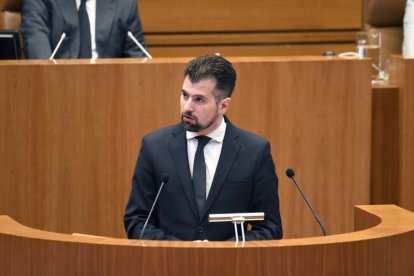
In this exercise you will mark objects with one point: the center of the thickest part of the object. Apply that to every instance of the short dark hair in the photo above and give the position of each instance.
(213, 67)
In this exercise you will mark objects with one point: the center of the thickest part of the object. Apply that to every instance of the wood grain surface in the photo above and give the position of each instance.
(401, 74)
(71, 132)
(382, 246)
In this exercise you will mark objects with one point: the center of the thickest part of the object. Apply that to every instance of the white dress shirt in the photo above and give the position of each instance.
(212, 151)
(91, 10)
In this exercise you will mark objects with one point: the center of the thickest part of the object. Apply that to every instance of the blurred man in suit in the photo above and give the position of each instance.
(94, 28)
(212, 166)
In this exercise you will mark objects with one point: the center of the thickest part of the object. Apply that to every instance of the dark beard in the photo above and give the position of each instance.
(197, 127)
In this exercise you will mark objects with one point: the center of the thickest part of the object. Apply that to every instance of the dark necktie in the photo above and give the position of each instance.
(199, 173)
(85, 48)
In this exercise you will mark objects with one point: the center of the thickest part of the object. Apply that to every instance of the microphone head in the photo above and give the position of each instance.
(165, 177)
(67, 29)
(290, 173)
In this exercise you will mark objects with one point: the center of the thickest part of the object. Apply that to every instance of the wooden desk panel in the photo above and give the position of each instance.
(384, 249)
(250, 28)
(225, 16)
(401, 74)
(252, 50)
(385, 150)
(71, 132)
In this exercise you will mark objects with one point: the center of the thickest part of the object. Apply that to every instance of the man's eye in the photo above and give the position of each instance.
(199, 100)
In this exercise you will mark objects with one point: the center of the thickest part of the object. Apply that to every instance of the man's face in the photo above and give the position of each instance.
(199, 110)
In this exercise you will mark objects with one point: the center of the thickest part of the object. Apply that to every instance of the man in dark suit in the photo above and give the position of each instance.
(44, 21)
(236, 171)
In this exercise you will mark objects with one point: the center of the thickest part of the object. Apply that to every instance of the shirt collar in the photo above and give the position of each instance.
(216, 135)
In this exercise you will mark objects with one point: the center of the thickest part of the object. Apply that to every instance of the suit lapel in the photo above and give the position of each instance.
(69, 13)
(228, 155)
(105, 12)
(178, 148)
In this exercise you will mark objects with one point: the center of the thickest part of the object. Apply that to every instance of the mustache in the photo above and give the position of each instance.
(188, 115)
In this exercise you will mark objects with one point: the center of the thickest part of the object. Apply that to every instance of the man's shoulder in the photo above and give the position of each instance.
(246, 136)
(165, 132)
(126, 2)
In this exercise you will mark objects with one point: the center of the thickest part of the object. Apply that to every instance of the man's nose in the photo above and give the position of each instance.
(188, 105)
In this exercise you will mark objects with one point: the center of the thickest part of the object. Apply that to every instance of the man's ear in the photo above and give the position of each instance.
(224, 105)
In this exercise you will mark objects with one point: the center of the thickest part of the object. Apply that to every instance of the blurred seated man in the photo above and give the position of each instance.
(408, 43)
(93, 28)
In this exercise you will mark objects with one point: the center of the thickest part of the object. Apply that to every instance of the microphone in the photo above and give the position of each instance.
(66, 30)
(62, 37)
(291, 174)
(164, 179)
(124, 27)
(132, 37)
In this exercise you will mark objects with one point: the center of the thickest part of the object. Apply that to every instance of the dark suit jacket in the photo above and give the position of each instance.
(44, 21)
(245, 181)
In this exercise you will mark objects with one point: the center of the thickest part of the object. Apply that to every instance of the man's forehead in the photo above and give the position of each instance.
(204, 85)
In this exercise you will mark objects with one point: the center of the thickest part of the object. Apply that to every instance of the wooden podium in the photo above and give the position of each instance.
(385, 248)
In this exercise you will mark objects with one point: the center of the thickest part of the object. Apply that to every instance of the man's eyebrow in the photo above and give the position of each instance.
(196, 95)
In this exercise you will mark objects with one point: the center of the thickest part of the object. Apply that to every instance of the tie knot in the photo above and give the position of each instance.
(83, 1)
(202, 141)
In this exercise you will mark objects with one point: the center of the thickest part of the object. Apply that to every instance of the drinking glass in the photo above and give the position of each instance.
(368, 44)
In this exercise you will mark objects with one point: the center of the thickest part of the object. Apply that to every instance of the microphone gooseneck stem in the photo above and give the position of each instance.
(131, 36)
(152, 209)
(58, 46)
(310, 207)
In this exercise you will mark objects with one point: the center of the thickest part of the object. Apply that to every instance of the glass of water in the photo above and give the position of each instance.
(368, 44)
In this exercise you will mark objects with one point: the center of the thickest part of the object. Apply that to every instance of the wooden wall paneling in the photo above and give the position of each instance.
(317, 116)
(251, 44)
(385, 158)
(165, 16)
(70, 137)
(250, 50)
(71, 133)
(401, 72)
(282, 27)
(249, 38)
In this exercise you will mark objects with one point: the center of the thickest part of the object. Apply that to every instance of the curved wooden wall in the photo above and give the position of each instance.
(384, 249)
(70, 134)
